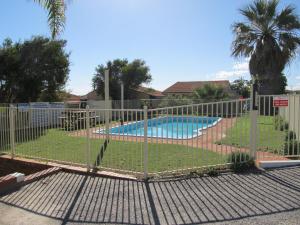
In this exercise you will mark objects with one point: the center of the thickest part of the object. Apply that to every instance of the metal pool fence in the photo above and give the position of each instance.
(146, 142)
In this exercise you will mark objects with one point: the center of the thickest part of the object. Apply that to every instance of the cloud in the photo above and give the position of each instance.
(293, 87)
(298, 78)
(240, 69)
(230, 74)
(244, 66)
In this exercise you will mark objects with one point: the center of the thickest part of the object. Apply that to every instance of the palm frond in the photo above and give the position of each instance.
(289, 43)
(271, 9)
(265, 27)
(56, 15)
(287, 19)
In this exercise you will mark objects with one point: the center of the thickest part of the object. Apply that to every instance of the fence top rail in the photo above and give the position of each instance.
(72, 109)
(118, 110)
(290, 94)
(200, 104)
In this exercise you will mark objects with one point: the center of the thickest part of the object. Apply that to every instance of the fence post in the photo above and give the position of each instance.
(253, 133)
(106, 84)
(253, 121)
(30, 117)
(145, 142)
(12, 129)
(122, 100)
(88, 141)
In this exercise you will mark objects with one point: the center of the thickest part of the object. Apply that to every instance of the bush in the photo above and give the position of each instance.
(292, 148)
(291, 135)
(280, 124)
(240, 161)
(212, 172)
(175, 101)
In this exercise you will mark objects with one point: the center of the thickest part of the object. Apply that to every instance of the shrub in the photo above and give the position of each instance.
(212, 172)
(292, 147)
(291, 135)
(280, 124)
(240, 161)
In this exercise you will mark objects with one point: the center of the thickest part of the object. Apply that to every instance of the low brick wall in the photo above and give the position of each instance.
(16, 180)
(8, 166)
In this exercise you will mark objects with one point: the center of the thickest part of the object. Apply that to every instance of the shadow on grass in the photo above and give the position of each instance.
(100, 155)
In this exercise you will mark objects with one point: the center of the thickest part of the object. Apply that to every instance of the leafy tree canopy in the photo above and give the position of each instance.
(132, 74)
(210, 92)
(270, 37)
(242, 87)
(36, 69)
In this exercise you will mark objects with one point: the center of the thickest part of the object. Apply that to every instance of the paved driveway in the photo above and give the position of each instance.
(262, 198)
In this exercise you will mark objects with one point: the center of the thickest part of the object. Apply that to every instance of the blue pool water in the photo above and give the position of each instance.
(166, 127)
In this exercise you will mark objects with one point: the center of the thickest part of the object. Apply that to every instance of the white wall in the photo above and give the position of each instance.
(292, 114)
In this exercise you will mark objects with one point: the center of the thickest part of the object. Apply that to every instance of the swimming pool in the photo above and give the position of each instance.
(166, 127)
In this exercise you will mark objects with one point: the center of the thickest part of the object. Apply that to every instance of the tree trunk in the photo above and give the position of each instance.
(269, 86)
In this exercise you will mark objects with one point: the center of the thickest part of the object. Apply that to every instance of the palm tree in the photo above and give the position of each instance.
(270, 38)
(56, 15)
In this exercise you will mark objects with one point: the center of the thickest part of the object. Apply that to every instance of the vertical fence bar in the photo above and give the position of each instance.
(253, 123)
(145, 142)
(12, 129)
(122, 101)
(88, 140)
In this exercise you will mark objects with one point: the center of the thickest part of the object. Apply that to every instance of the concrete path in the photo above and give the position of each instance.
(271, 197)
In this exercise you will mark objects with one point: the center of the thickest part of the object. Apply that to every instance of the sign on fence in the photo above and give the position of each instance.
(280, 101)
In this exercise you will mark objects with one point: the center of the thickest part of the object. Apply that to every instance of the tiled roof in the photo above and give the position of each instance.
(190, 86)
(150, 91)
(72, 98)
(90, 96)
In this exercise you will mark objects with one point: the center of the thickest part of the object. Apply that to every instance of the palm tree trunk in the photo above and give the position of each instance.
(269, 85)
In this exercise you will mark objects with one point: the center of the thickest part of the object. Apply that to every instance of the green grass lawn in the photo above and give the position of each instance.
(123, 155)
(268, 138)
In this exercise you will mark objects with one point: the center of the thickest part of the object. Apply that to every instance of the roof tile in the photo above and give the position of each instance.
(190, 86)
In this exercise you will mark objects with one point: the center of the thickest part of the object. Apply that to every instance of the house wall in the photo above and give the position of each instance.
(99, 105)
(291, 114)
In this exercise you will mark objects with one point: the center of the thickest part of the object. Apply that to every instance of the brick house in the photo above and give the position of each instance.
(186, 88)
(138, 93)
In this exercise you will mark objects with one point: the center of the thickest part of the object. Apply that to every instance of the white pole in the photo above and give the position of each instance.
(122, 100)
(88, 143)
(12, 129)
(106, 81)
(145, 142)
(253, 123)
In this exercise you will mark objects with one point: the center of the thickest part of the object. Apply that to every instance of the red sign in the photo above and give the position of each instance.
(280, 101)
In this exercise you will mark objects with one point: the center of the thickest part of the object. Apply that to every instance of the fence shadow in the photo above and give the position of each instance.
(100, 155)
(90, 199)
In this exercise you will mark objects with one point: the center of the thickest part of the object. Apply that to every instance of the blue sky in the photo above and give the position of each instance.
(181, 40)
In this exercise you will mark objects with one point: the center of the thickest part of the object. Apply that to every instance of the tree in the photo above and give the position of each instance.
(282, 83)
(56, 15)
(132, 74)
(210, 92)
(242, 87)
(177, 100)
(270, 38)
(36, 69)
